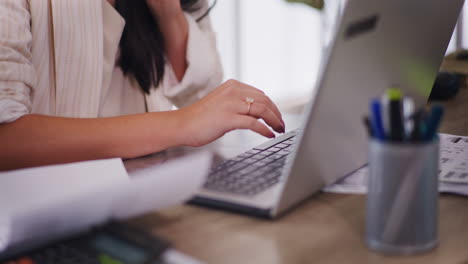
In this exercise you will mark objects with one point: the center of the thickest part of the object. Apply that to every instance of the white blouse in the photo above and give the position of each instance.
(24, 83)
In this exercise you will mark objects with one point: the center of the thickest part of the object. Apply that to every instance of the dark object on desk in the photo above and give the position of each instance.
(112, 244)
(445, 87)
(462, 55)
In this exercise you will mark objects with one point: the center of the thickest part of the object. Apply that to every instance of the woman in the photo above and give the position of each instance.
(94, 79)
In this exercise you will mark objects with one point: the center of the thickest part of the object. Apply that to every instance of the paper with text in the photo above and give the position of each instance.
(453, 170)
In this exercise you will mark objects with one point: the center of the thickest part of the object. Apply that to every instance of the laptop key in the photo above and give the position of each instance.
(273, 142)
(247, 170)
(236, 167)
(282, 145)
(238, 158)
(253, 152)
(283, 152)
(274, 149)
(255, 158)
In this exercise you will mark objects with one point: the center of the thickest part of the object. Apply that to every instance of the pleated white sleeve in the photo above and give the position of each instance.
(204, 71)
(16, 68)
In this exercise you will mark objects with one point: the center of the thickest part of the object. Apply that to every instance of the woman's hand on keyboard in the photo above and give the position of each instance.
(233, 105)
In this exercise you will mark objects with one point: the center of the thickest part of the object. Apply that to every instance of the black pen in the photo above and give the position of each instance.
(397, 130)
(417, 133)
(367, 124)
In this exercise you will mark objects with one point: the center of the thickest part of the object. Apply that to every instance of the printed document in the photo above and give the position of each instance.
(453, 170)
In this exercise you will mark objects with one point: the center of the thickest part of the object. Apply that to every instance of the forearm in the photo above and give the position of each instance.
(175, 31)
(35, 140)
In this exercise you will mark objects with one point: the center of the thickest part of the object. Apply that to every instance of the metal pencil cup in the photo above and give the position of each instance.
(402, 200)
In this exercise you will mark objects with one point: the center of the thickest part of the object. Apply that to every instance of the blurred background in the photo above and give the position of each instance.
(277, 46)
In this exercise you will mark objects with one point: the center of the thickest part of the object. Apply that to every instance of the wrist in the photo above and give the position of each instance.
(179, 128)
(186, 128)
(166, 129)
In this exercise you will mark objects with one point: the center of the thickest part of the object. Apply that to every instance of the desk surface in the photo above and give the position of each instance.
(327, 228)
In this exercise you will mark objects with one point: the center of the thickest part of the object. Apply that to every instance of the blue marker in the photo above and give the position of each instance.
(433, 122)
(419, 127)
(376, 120)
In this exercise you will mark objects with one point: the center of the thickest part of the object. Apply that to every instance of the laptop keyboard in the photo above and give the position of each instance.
(254, 171)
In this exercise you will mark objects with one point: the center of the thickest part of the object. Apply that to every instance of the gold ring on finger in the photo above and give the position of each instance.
(249, 101)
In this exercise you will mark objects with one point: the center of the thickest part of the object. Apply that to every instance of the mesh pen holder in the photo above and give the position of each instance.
(402, 200)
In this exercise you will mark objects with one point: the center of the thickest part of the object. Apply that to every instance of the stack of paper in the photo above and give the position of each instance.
(453, 170)
(44, 203)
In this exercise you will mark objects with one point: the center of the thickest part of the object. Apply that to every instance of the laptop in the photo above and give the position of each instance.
(378, 44)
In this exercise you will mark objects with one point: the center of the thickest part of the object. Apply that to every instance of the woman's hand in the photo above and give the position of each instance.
(174, 27)
(164, 8)
(228, 108)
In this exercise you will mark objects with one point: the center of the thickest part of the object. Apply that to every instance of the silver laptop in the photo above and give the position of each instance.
(378, 44)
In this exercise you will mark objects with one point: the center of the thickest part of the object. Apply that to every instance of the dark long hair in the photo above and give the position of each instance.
(142, 45)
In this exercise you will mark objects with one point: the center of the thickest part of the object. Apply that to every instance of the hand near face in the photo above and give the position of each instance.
(164, 8)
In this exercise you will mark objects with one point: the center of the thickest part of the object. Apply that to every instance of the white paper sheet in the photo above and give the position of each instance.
(453, 175)
(50, 202)
(162, 185)
(453, 159)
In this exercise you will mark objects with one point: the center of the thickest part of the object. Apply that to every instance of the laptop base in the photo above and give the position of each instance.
(231, 207)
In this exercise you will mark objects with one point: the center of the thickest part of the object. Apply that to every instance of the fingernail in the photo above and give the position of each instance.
(283, 129)
(272, 135)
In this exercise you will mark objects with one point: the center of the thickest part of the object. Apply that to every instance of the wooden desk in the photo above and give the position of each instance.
(328, 228)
